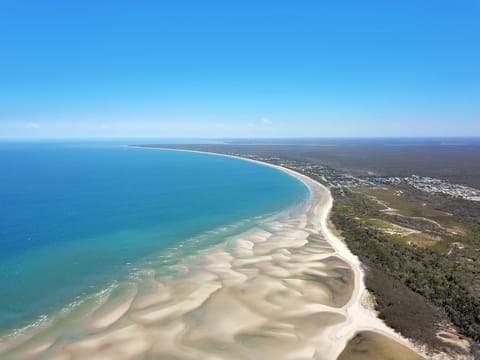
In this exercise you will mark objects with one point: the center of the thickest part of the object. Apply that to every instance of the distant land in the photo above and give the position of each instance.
(455, 159)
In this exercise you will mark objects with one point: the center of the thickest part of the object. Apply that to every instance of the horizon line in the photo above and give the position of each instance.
(31, 138)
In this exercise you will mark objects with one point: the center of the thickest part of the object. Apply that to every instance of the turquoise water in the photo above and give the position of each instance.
(76, 217)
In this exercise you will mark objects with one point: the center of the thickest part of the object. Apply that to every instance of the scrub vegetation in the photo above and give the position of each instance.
(440, 262)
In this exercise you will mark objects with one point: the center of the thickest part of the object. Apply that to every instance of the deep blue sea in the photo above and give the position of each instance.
(75, 217)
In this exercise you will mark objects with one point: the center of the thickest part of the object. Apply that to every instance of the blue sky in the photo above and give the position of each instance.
(239, 68)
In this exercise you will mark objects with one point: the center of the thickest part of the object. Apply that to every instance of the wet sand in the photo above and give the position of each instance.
(288, 289)
(371, 346)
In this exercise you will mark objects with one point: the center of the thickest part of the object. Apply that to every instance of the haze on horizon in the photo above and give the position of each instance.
(239, 69)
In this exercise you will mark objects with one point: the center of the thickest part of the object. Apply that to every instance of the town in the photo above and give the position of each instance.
(430, 185)
(335, 179)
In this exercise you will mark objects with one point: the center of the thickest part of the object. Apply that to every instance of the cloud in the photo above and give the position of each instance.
(266, 121)
(32, 125)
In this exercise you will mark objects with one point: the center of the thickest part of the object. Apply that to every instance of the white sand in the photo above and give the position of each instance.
(292, 293)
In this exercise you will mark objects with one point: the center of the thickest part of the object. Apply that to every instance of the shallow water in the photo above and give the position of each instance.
(79, 219)
(277, 290)
(268, 286)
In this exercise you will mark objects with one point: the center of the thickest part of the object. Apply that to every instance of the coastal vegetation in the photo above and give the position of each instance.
(447, 284)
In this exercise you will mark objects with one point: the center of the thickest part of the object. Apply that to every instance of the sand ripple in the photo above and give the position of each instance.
(290, 292)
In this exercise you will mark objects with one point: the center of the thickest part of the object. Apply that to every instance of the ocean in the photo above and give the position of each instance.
(78, 218)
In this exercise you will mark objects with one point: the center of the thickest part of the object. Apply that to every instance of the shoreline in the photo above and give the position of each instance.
(364, 319)
(291, 289)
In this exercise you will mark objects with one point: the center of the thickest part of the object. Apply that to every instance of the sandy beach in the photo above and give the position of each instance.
(288, 289)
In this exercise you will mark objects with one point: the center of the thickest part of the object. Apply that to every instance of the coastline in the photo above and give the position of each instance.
(292, 288)
(363, 316)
